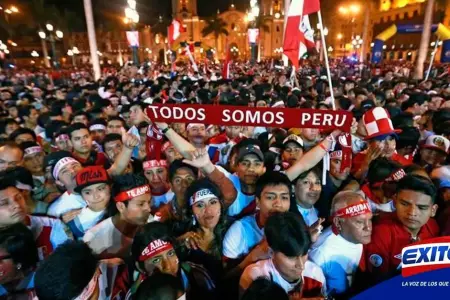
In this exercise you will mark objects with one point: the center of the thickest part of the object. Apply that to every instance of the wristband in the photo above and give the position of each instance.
(165, 130)
(323, 147)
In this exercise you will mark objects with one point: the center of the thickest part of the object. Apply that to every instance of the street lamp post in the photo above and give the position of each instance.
(72, 53)
(252, 15)
(132, 18)
(52, 37)
(351, 11)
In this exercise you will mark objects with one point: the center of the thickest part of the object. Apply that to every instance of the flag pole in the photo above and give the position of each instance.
(433, 54)
(327, 65)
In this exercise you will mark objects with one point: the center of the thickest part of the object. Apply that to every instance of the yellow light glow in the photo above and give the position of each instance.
(343, 10)
(354, 8)
(339, 36)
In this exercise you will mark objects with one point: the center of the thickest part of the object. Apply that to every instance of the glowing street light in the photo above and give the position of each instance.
(49, 27)
(277, 15)
(42, 34)
(34, 54)
(70, 52)
(14, 9)
(339, 36)
(59, 34)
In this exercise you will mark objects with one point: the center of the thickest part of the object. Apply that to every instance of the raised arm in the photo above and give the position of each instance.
(121, 163)
(181, 144)
(312, 157)
(201, 160)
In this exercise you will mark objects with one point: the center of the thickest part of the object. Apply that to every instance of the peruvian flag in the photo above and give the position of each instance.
(175, 30)
(226, 66)
(299, 34)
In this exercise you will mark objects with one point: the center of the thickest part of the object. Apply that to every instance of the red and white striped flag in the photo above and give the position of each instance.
(175, 30)
(226, 65)
(299, 35)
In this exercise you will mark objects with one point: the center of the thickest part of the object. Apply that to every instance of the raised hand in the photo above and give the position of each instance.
(200, 160)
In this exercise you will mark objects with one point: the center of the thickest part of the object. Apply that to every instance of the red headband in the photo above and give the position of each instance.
(154, 163)
(353, 210)
(394, 177)
(154, 248)
(133, 193)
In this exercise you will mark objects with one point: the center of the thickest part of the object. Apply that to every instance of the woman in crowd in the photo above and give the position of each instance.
(207, 228)
(18, 260)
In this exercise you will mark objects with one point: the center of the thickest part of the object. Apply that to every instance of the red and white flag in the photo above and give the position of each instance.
(175, 30)
(299, 35)
(226, 65)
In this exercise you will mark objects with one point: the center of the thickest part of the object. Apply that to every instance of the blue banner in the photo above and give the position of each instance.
(445, 54)
(377, 51)
(429, 285)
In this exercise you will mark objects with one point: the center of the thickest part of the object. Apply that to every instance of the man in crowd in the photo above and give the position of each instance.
(411, 222)
(339, 250)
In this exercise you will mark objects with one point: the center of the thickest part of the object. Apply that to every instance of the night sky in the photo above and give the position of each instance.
(149, 10)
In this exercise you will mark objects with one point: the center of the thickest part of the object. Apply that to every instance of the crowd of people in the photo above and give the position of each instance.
(97, 201)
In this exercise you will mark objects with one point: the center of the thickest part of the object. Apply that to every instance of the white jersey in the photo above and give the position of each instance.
(242, 236)
(338, 258)
(106, 240)
(65, 203)
(158, 200)
(85, 221)
(242, 201)
(309, 215)
(312, 277)
(48, 233)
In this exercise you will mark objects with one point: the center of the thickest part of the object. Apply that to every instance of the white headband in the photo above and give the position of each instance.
(201, 195)
(32, 150)
(97, 127)
(190, 125)
(61, 164)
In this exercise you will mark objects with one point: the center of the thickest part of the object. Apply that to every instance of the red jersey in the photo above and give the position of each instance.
(389, 237)
(359, 158)
(94, 159)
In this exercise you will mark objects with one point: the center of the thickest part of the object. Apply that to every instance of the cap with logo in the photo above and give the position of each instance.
(89, 176)
(250, 149)
(293, 139)
(437, 142)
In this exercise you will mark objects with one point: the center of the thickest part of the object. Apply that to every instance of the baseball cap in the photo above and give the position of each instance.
(437, 142)
(293, 139)
(367, 105)
(250, 149)
(89, 176)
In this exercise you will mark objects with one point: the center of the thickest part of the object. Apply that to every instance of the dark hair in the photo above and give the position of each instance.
(100, 121)
(219, 231)
(21, 131)
(111, 137)
(149, 233)
(25, 111)
(123, 183)
(409, 137)
(316, 170)
(271, 178)
(159, 286)
(418, 184)
(53, 127)
(287, 233)
(142, 105)
(80, 113)
(66, 272)
(75, 127)
(179, 164)
(415, 98)
(380, 169)
(19, 242)
(117, 118)
(264, 289)
(10, 177)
